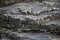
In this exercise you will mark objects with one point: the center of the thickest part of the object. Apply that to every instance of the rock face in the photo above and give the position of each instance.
(10, 19)
(7, 2)
(6, 23)
(53, 0)
(14, 20)
(26, 25)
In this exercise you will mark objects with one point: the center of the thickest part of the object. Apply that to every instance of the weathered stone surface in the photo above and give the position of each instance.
(11, 25)
(8, 22)
(15, 24)
(8, 2)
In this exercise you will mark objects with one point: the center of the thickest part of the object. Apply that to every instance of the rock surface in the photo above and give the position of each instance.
(21, 19)
(8, 2)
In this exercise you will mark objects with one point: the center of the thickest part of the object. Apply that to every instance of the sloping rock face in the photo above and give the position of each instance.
(7, 2)
(31, 18)
(19, 16)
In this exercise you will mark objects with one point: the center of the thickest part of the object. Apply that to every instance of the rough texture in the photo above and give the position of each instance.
(7, 2)
(14, 22)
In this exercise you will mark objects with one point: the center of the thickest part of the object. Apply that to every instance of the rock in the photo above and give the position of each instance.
(8, 2)
(8, 22)
(14, 35)
(53, 0)
(0, 36)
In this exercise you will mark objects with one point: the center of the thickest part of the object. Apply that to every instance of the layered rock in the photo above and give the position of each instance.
(14, 20)
(53, 0)
(8, 2)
